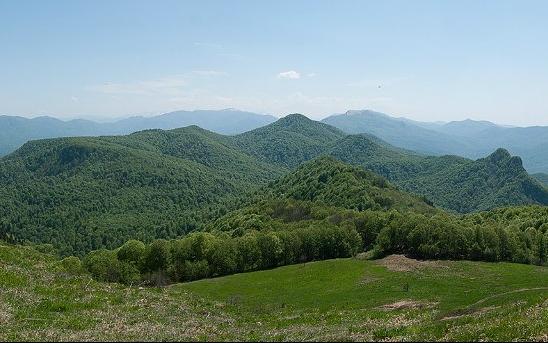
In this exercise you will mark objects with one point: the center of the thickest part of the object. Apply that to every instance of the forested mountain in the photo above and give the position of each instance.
(328, 181)
(452, 182)
(289, 141)
(88, 193)
(15, 131)
(468, 138)
(327, 209)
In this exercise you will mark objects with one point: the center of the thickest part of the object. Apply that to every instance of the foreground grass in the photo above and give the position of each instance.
(347, 299)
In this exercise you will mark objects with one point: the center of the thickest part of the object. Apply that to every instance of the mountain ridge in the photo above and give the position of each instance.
(468, 138)
(94, 192)
(18, 130)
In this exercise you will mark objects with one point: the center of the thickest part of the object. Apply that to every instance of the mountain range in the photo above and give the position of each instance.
(85, 193)
(15, 131)
(467, 138)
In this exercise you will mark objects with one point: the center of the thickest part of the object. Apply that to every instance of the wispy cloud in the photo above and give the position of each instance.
(289, 75)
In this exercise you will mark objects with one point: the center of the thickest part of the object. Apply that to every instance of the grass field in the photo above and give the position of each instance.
(348, 299)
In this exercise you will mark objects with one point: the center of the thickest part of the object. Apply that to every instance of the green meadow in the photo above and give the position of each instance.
(42, 298)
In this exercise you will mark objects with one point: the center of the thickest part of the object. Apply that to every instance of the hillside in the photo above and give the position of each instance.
(18, 130)
(210, 149)
(341, 300)
(328, 181)
(83, 194)
(451, 182)
(325, 210)
(86, 193)
(467, 138)
(494, 181)
(289, 141)
(445, 180)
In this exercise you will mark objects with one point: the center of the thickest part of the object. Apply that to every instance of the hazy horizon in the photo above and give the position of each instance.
(277, 116)
(426, 61)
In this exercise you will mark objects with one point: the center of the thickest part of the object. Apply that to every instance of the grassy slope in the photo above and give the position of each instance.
(329, 300)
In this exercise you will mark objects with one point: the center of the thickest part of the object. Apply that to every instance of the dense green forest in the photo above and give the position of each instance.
(290, 141)
(454, 183)
(83, 194)
(324, 210)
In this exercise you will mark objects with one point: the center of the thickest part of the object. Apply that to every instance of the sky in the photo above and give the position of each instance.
(425, 60)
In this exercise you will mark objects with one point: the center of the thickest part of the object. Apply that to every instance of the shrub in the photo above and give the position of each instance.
(196, 270)
(132, 252)
(102, 264)
(72, 265)
(157, 256)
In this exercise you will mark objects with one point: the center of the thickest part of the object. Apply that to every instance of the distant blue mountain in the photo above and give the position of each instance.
(468, 138)
(15, 131)
(227, 121)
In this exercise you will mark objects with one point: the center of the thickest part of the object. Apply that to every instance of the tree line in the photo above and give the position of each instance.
(203, 254)
(252, 241)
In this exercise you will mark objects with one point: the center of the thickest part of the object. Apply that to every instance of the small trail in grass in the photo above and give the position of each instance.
(470, 308)
(505, 293)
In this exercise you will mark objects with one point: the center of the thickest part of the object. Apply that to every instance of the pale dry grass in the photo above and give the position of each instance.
(401, 263)
(407, 304)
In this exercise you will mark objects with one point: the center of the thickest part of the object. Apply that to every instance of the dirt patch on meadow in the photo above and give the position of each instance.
(400, 263)
(473, 310)
(407, 304)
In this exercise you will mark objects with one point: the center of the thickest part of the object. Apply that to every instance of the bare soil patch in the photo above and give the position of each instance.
(407, 304)
(401, 263)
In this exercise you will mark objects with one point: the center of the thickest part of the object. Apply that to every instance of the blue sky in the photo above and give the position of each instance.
(426, 60)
